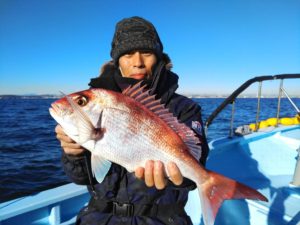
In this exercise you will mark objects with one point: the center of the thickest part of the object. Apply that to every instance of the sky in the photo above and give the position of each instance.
(48, 46)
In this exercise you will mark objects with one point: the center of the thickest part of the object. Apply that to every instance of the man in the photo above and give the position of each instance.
(147, 196)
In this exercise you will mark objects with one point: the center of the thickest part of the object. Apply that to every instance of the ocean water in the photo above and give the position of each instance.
(30, 152)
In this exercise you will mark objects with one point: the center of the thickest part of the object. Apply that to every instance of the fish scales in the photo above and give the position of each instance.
(139, 138)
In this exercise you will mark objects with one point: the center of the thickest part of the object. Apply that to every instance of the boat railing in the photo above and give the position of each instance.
(232, 98)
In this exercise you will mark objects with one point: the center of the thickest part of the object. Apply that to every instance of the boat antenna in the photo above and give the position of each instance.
(291, 101)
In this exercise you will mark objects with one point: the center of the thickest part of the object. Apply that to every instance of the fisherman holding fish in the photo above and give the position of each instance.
(127, 137)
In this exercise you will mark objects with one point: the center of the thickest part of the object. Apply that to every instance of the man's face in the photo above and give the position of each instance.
(137, 64)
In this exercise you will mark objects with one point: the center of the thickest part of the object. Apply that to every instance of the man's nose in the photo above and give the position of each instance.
(138, 60)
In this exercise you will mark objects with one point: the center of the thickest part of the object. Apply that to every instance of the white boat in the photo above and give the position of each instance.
(266, 158)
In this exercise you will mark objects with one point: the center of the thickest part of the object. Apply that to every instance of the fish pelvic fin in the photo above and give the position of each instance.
(100, 167)
(219, 188)
(141, 94)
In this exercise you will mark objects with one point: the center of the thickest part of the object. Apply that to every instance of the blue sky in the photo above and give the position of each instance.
(47, 46)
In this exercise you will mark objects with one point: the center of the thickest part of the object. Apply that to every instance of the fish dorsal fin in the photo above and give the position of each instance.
(141, 95)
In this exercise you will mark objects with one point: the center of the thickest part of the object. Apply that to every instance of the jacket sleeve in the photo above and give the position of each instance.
(76, 168)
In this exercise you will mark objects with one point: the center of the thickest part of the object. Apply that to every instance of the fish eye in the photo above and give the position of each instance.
(81, 100)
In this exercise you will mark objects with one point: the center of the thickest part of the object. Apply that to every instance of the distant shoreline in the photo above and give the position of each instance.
(48, 96)
(29, 96)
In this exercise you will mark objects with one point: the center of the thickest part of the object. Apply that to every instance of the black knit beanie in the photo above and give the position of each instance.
(135, 33)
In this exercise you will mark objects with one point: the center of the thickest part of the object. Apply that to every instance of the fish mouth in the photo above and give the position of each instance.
(54, 112)
(54, 108)
(59, 110)
(57, 113)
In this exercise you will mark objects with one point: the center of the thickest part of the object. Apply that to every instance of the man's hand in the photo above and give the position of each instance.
(67, 144)
(154, 174)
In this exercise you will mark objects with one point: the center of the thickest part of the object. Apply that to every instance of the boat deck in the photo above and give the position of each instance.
(264, 161)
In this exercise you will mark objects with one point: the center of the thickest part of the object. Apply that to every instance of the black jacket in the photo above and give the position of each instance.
(151, 206)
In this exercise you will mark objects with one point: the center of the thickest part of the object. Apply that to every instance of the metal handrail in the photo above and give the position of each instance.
(233, 96)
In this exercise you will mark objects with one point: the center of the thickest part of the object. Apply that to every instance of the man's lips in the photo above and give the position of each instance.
(138, 76)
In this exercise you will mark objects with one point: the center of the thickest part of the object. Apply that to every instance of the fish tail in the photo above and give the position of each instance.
(218, 188)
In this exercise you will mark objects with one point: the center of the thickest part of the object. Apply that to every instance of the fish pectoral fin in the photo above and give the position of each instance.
(100, 167)
(87, 131)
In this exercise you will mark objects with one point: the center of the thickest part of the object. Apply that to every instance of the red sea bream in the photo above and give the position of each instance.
(132, 127)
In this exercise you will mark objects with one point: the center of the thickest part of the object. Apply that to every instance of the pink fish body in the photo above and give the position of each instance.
(133, 127)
